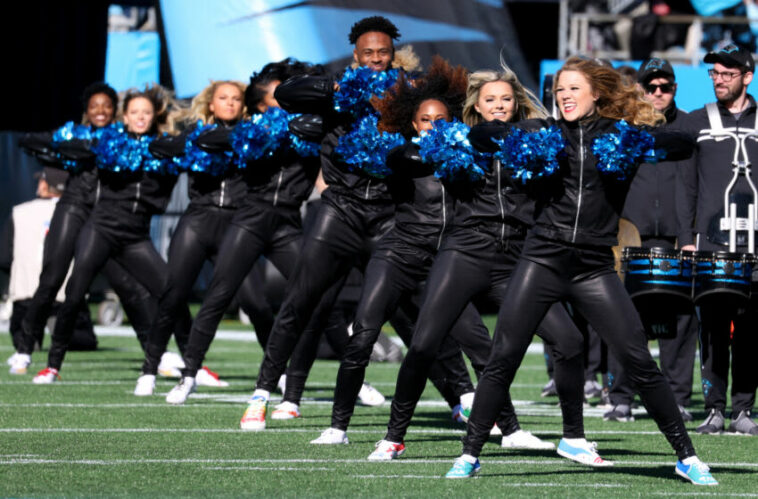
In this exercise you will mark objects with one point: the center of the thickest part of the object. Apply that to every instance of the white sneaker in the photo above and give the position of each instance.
(171, 365)
(524, 440)
(206, 377)
(331, 436)
(286, 410)
(370, 396)
(178, 394)
(19, 363)
(46, 376)
(254, 418)
(582, 451)
(281, 385)
(386, 451)
(467, 402)
(145, 385)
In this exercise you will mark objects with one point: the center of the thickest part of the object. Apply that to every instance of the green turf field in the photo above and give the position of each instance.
(88, 436)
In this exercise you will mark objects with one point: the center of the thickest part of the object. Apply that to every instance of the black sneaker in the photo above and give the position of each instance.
(621, 413)
(713, 424)
(744, 424)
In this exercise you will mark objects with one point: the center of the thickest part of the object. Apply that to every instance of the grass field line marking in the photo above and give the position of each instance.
(526, 484)
(701, 494)
(257, 461)
(262, 468)
(412, 431)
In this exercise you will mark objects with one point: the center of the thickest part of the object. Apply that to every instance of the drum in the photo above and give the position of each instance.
(664, 273)
(660, 283)
(722, 275)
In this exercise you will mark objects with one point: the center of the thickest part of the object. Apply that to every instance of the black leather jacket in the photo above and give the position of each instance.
(578, 204)
(314, 95)
(82, 184)
(423, 207)
(223, 191)
(284, 179)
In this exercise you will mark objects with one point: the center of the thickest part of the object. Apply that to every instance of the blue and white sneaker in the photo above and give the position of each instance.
(696, 472)
(583, 452)
(463, 469)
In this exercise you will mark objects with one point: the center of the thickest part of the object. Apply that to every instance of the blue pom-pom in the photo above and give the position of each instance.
(365, 148)
(618, 154)
(304, 148)
(447, 147)
(71, 131)
(260, 136)
(198, 160)
(531, 154)
(358, 85)
(118, 152)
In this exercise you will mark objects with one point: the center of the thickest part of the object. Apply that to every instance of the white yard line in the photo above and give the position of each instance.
(398, 462)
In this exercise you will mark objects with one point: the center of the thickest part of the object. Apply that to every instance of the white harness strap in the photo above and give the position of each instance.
(714, 118)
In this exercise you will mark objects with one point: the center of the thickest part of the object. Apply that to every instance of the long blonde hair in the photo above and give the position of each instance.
(200, 107)
(617, 99)
(527, 104)
(164, 106)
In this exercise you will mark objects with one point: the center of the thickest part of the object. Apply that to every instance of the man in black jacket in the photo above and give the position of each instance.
(700, 208)
(650, 207)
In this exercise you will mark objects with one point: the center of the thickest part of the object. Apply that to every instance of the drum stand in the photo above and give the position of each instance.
(730, 221)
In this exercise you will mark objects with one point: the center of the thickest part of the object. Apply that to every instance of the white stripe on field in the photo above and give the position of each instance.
(412, 431)
(507, 484)
(396, 462)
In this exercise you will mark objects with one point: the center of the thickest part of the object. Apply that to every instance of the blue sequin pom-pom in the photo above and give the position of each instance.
(365, 148)
(198, 160)
(118, 152)
(71, 131)
(447, 147)
(618, 154)
(260, 136)
(531, 154)
(358, 85)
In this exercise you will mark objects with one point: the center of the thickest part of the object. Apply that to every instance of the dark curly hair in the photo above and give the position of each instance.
(374, 23)
(442, 82)
(276, 71)
(99, 88)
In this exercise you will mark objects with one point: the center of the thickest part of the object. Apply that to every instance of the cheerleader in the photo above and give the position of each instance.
(401, 261)
(356, 208)
(267, 222)
(477, 258)
(567, 254)
(71, 213)
(216, 189)
(133, 187)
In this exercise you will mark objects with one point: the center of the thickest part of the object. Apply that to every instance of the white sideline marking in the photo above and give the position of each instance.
(411, 431)
(262, 468)
(396, 462)
(508, 484)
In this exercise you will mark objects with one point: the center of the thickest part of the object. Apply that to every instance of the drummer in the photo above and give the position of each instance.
(650, 207)
(700, 204)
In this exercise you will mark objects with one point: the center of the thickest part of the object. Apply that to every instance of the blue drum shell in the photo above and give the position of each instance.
(657, 271)
(722, 275)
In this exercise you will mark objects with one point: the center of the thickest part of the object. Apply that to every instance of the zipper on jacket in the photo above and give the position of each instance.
(97, 191)
(500, 202)
(136, 201)
(581, 182)
(368, 186)
(278, 185)
(444, 216)
(221, 197)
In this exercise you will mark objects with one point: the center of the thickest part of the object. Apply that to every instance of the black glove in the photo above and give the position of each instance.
(215, 140)
(481, 135)
(308, 127)
(306, 94)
